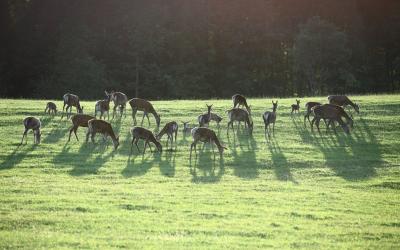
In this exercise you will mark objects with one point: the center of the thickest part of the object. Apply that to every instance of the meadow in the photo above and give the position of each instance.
(300, 189)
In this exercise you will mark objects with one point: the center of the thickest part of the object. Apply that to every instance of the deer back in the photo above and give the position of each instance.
(32, 123)
(81, 120)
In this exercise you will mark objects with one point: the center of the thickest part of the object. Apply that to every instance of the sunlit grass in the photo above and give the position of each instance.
(300, 189)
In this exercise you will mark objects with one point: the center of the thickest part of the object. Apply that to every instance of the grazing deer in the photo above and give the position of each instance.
(309, 106)
(34, 124)
(205, 119)
(330, 112)
(205, 135)
(146, 135)
(146, 107)
(102, 127)
(186, 128)
(296, 107)
(270, 117)
(103, 106)
(238, 114)
(343, 101)
(70, 101)
(239, 100)
(170, 129)
(216, 118)
(119, 99)
(79, 120)
(51, 107)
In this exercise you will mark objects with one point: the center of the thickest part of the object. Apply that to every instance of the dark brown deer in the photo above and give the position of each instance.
(51, 108)
(205, 119)
(170, 129)
(70, 101)
(309, 106)
(239, 100)
(205, 135)
(296, 107)
(239, 115)
(343, 101)
(138, 104)
(103, 106)
(79, 120)
(146, 135)
(330, 112)
(119, 99)
(270, 118)
(34, 124)
(100, 126)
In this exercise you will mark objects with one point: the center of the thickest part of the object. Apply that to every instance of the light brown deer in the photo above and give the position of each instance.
(51, 108)
(309, 106)
(103, 106)
(270, 118)
(343, 101)
(79, 120)
(296, 107)
(170, 129)
(100, 126)
(70, 101)
(205, 119)
(240, 100)
(119, 99)
(146, 135)
(138, 104)
(239, 115)
(332, 113)
(205, 135)
(34, 124)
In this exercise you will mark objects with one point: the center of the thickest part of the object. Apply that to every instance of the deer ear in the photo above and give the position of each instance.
(105, 91)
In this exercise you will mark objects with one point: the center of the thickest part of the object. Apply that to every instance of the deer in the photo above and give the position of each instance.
(170, 129)
(205, 135)
(100, 126)
(205, 119)
(186, 129)
(119, 99)
(51, 108)
(270, 117)
(238, 114)
(146, 107)
(330, 112)
(79, 120)
(70, 101)
(146, 135)
(296, 107)
(103, 106)
(240, 100)
(309, 106)
(33, 123)
(343, 101)
(216, 118)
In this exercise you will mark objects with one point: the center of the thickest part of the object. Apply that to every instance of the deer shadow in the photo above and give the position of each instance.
(280, 163)
(16, 156)
(204, 167)
(143, 161)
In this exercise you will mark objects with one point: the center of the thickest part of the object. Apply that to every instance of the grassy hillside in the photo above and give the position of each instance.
(300, 189)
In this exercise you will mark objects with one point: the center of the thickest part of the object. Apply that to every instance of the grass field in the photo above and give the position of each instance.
(300, 190)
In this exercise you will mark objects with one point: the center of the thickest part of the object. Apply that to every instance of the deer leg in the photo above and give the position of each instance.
(87, 135)
(317, 123)
(144, 114)
(92, 137)
(148, 143)
(312, 123)
(75, 133)
(148, 119)
(23, 135)
(136, 143)
(70, 132)
(115, 107)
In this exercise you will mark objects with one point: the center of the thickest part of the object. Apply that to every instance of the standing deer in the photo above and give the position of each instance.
(205, 119)
(170, 129)
(103, 106)
(296, 107)
(70, 101)
(309, 106)
(51, 107)
(239, 100)
(238, 114)
(343, 101)
(270, 117)
(146, 135)
(34, 124)
(330, 112)
(79, 120)
(205, 135)
(102, 127)
(146, 107)
(119, 99)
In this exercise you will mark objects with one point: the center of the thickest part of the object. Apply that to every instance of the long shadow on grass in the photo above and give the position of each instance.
(205, 167)
(353, 156)
(138, 163)
(16, 156)
(279, 162)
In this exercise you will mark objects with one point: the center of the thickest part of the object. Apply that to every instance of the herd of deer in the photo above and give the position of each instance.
(330, 113)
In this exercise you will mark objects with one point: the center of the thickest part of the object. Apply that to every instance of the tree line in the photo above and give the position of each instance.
(177, 49)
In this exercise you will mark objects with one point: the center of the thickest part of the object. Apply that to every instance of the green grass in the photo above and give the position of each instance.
(300, 190)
